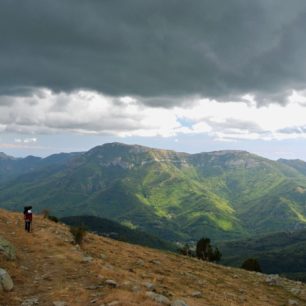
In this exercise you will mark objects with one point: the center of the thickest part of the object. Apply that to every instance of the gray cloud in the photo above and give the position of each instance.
(87, 112)
(83, 112)
(154, 48)
(234, 124)
(293, 130)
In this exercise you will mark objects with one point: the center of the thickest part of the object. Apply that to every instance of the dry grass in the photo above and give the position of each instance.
(51, 268)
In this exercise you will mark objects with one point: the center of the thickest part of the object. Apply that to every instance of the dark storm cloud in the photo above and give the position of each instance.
(155, 48)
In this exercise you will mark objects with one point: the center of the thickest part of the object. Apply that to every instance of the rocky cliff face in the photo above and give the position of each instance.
(50, 270)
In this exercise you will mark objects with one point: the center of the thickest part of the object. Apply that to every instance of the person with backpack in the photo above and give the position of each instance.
(27, 218)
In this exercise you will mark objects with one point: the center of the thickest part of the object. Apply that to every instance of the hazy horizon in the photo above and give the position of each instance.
(157, 147)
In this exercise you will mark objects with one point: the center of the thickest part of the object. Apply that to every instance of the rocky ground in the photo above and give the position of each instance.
(48, 269)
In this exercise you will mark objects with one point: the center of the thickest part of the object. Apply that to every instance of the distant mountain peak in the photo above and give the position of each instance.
(5, 156)
(224, 152)
(120, 145)
(131, 148)
(116, 144)
(117, 147)
(32, 157)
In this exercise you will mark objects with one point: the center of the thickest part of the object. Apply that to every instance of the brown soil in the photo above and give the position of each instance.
(49, 267)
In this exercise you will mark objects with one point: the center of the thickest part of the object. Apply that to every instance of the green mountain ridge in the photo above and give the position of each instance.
(175, 196)
(297, 164)
(11, 167)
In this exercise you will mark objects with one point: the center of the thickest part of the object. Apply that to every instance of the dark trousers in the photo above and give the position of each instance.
(28, 225)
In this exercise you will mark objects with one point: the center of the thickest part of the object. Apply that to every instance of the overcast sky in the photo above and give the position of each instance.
(188, 75)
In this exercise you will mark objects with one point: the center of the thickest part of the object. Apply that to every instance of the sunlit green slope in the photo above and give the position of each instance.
(177, 196)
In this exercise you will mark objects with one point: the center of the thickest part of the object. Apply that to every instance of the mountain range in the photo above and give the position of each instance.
(175, 196)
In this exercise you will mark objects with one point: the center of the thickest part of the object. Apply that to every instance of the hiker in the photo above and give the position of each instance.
(27, 218)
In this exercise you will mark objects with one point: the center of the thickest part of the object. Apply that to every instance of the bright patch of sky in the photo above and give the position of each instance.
(47, 122)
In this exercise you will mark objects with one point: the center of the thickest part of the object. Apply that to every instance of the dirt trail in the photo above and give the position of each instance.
(50, 268)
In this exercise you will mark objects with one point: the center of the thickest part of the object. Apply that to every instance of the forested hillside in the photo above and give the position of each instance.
(282, 253)
(175, 196)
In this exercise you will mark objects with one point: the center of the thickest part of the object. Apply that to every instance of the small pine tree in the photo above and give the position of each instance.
(78, 233)
(206, 252)
(251, 264)
(203, 248)
(216, 255)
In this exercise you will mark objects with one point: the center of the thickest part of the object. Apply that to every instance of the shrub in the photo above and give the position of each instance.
(53, 218)
(251, 264)
(206, 252)
(78, 233)
(46, 215)
(45, 212)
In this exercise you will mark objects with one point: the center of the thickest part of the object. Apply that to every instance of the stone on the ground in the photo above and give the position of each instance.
(273, 280)
(196, 294)
(155, 261)
(103, 256)
(6, 282)
(30, 302)
(292, 303)
(111, 283)
(158, 298)
(179, 303)
(7, 249)
(114, 303)
(59, 303)
(87, 259)
(94, 287)
(140, 263)
(295, 291)
(149, 286)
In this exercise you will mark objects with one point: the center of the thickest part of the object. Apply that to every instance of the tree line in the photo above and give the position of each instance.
(205, 251)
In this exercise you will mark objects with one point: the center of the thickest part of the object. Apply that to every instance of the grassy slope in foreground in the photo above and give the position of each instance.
(58, 272)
